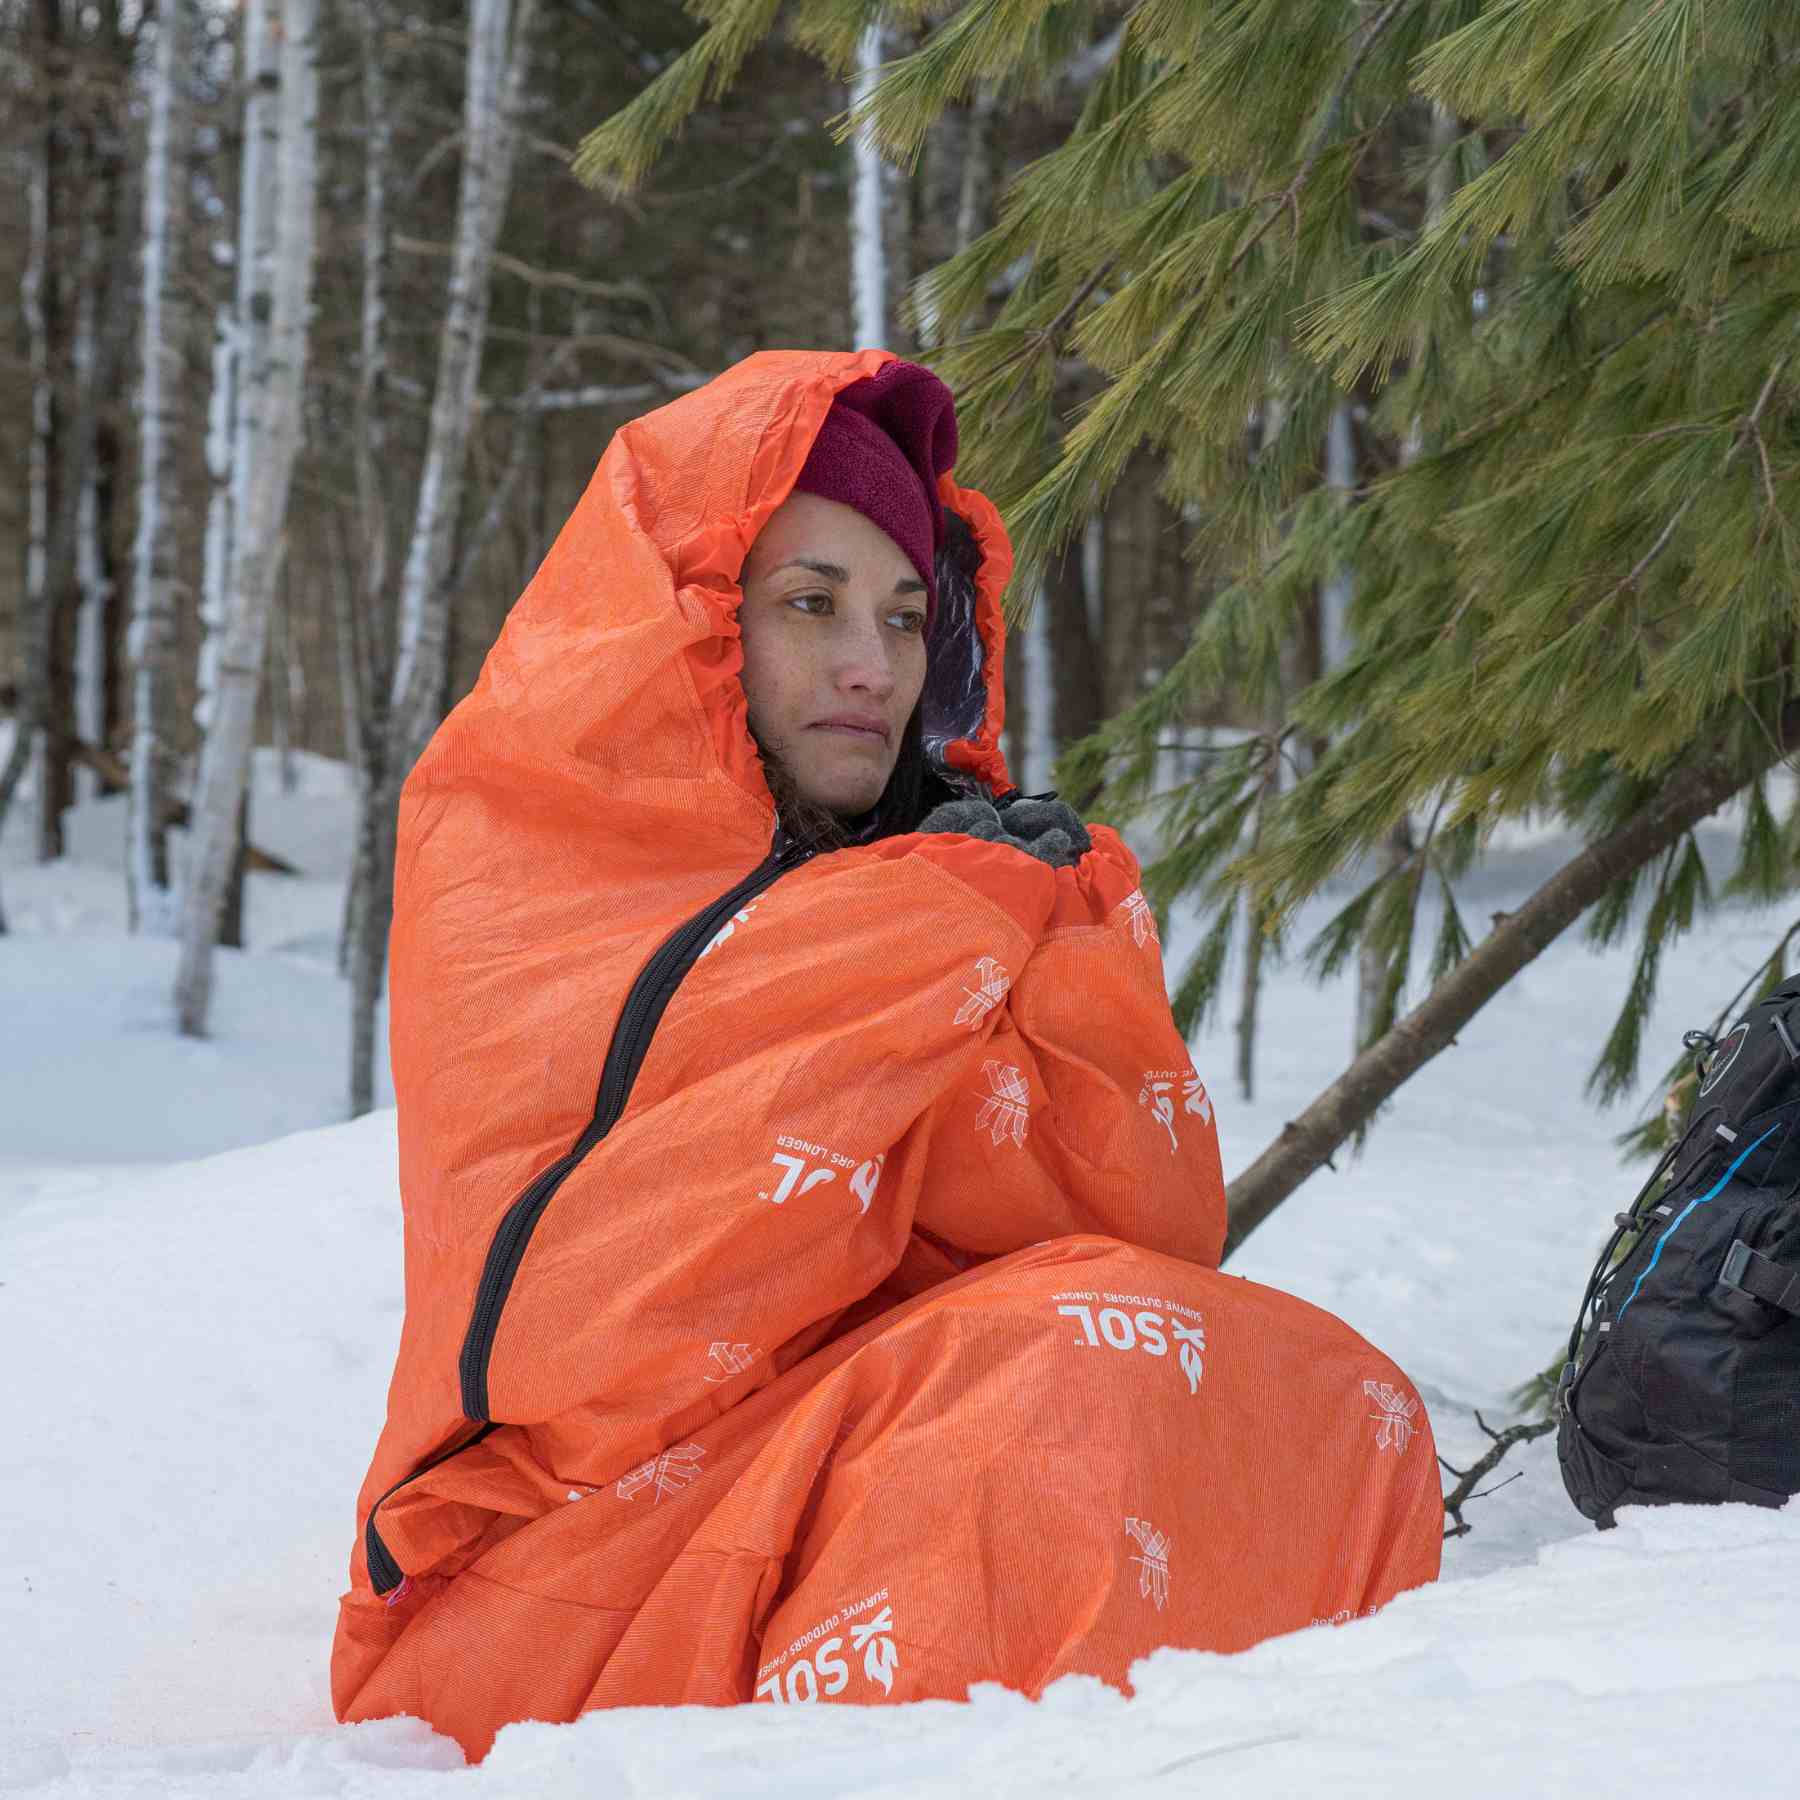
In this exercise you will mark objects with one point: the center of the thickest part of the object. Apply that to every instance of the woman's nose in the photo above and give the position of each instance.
(865, 660)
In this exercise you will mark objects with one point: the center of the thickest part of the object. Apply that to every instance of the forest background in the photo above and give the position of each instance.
(1394, 402)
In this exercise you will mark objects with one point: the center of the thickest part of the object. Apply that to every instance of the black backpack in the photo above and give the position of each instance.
(1683, 1377)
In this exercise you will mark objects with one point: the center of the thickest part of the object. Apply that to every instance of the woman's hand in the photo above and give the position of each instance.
(1046, 829)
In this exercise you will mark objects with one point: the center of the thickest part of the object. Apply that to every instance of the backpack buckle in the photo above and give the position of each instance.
(1559, 1401)
(1737, 1260)
(1749, 1272)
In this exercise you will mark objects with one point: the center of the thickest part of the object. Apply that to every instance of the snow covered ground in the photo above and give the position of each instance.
(196, 1354)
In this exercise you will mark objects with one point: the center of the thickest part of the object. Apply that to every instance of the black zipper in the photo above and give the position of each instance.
(384, 1573)
(639, 1017)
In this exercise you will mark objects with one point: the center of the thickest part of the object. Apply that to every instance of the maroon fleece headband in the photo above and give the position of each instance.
(881, 449)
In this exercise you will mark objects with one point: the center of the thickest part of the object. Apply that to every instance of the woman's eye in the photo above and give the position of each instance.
(812, 603)
(911, 621)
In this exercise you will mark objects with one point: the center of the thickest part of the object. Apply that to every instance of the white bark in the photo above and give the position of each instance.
(34, 621)
(270, 395)
(221, 418)
(1334, 598)
(364, 633)
(871, 325)
(499, 57)
(151, 641)
(371, 385)
(490, 118)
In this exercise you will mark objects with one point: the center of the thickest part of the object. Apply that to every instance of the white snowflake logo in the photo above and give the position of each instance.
(1192, 1339)
(1007, 1109)
(867, 1178)
(992, 983)
(1153, 1565)
(1155, 1095)
(1196, 1097)
(1158, 1093)
(881, 1655)
(733, 1359)
(668, 1473)
(1395, 1420)
(1140, 918)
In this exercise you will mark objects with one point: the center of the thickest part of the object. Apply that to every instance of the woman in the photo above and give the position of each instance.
(812, 1213)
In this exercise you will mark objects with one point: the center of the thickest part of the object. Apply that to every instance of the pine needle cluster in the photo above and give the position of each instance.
(1571, 324)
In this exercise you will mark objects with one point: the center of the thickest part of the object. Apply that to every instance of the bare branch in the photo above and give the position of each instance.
(1464, 1491)
(514, 265)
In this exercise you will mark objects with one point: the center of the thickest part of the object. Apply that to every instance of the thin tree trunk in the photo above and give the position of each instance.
(280, 678)
(270, 396)
(365, 632)
(498, 64)
(34, 632)
(1518, 939)
(67, 187)
(153, 561)
(1269, 790)
(103, 317)
(975, 204)
(870, 304)
(1074, 646)
(36, 302)
(1250, 991)
(1372, 973)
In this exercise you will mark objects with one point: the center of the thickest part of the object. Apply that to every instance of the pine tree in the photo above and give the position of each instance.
(1574, 554)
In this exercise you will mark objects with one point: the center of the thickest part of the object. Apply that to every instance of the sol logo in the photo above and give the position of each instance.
(825, 1668)
(1119, 1329)
(1149, 1332)
(796, 1176)
(807, 1166)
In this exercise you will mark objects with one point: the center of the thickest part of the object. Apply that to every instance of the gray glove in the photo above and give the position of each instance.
(1046, 829)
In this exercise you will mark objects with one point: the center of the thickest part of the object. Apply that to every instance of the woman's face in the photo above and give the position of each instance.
(833, 622)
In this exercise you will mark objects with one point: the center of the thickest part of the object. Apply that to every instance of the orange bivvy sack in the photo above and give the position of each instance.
(811, 1262)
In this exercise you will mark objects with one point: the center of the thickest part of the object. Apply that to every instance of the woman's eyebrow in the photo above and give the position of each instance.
(831, 571)
(838, 573)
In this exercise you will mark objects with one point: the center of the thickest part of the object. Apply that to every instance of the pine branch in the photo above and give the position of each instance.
(1035, 342)
(1742, 436)
(1693, 792)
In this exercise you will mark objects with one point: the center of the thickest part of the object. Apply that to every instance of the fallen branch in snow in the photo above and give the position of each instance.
(1464, 1491)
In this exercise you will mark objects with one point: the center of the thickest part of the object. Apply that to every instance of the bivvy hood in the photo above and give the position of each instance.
(811, 1260)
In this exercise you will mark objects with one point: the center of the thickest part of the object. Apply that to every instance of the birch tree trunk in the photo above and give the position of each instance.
(270, 404)
(151, 643)
(365, 632)
(34, 623)
(498, 64)
(870, 307)
(105, 328)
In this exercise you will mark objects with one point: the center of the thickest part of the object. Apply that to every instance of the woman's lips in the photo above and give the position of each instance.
(868, 730)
